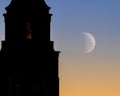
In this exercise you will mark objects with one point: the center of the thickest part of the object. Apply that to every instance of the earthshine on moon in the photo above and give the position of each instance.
(89, 42)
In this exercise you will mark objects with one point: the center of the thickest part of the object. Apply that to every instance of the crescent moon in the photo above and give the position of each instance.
(90, 42)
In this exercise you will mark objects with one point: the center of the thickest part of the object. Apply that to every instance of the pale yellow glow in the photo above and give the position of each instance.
(29, 36)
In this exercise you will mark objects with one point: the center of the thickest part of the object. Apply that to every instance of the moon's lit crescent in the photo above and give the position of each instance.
(90, 42)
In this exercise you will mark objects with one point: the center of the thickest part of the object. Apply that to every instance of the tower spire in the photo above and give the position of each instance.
(22, 4)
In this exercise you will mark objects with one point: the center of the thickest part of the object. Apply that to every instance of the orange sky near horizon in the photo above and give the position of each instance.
(90, 76)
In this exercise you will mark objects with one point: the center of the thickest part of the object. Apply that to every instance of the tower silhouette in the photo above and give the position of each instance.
(29, 60)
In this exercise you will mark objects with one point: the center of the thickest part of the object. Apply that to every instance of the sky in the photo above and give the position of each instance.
(93, 74)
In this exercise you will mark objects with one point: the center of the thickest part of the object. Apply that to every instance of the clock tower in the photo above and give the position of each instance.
(28, 55)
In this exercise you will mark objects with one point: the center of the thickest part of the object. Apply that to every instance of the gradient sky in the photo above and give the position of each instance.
(94, 74)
